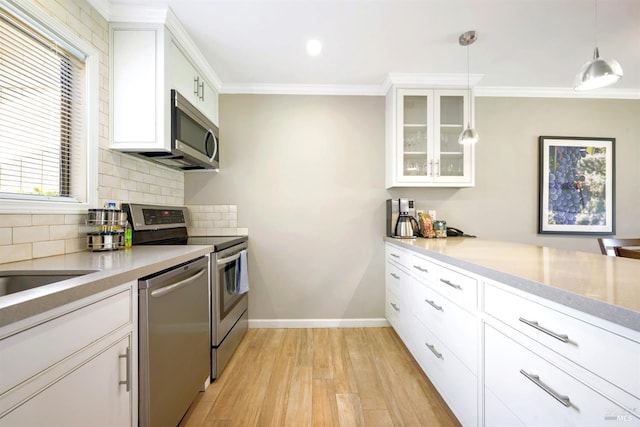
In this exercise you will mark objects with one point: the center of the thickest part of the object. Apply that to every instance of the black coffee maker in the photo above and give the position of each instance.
(401, 219)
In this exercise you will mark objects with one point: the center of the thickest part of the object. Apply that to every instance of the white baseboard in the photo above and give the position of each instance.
(317, 323)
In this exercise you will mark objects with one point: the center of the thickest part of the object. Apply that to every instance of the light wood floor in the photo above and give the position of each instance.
(320, 377)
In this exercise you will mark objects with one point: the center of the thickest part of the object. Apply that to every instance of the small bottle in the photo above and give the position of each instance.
(128, 236)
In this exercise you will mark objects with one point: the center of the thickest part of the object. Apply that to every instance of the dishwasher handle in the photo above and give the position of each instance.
(156, 293)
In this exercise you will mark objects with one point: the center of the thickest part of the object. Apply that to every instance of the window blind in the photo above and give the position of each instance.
(41, 115)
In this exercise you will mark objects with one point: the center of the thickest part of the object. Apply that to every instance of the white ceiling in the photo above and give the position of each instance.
(525, 44)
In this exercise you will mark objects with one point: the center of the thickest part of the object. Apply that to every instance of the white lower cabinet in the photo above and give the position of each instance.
(398, 293)
(73, 366)
(453, 380)
(503, 357)
(524, 386)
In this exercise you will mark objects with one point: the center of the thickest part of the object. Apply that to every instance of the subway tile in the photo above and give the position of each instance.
(60, 232)
(15, 220)
(5, 236)
(75, 219)
(49, 248)
(242, 231)
(221, 208)
(38, 233)
(78, 244)
(13, 253)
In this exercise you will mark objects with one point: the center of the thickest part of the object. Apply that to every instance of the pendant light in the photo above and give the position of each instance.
(598, 72)
(469, 135)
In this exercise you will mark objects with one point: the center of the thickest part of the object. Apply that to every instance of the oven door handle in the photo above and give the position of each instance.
(229, 259)
(175, 286)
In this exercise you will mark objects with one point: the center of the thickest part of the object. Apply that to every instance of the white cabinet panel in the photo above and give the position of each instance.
(541, 394)
(89, 394)
(456, 328)
(75, 365)
(610, 356)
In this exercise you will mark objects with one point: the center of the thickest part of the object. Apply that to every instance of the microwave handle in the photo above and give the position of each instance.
(215, 144)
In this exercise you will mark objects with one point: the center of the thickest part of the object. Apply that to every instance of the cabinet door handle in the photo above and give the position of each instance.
(438, 165)
(453, 285)
(434, 305)
(394, 276)
(395, 307)
(202, 87)
(564, 400)
(196, 86)
(394, 255)
(534, 324)
(127, 380)
(434, 351)
(431, 171)
(417, 267)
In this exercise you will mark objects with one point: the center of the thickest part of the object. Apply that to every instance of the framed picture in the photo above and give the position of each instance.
(576, 185)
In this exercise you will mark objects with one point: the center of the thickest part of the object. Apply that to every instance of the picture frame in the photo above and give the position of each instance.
(576, 190)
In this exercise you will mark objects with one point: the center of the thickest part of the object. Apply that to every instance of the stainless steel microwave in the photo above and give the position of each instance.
(193, 135)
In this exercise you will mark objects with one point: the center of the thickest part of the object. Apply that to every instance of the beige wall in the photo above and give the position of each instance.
(307, 176)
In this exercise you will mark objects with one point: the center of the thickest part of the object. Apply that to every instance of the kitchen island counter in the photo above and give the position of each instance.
(113, 268)
(603, 286)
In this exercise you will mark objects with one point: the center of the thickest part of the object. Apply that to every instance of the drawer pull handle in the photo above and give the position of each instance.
(394, 255)
(395, 276)
(534, 324)
(417, 267)
(453, 285)
(434, 305)
(434, 351)
(395, 307)
(127, 357)
(564, 400)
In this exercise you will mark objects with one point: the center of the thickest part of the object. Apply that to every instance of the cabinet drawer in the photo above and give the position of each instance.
(461, 289)
(397, 255)
(397, 280)
(538, 393)
(397, 312)
(423, 269)
(455, 327)
(60, 337)
(456, 383)
(610, 356)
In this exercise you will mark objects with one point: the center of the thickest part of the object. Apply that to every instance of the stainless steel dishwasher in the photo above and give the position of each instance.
(174, 341)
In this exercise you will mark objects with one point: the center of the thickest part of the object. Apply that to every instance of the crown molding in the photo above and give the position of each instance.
(555, 92)
(303, 89)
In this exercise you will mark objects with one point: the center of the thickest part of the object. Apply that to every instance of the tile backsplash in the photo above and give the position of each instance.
(24, 237)
(214, 220)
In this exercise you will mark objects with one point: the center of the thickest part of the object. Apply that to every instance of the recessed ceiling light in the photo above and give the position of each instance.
(314, 47)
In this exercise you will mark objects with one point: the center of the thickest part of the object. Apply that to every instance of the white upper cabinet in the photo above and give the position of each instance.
(191, 83)
(147, 61)
(422, 128)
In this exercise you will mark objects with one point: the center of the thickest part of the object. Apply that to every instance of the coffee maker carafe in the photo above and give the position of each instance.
(401, 221)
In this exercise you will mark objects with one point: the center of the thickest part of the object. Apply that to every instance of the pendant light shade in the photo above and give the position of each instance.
(598, 72)
(469, 135)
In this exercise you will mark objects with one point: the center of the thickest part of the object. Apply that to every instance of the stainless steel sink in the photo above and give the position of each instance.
(17, 281)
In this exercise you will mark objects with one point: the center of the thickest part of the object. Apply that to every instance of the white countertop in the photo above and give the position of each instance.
(603, 286)
(115, 268)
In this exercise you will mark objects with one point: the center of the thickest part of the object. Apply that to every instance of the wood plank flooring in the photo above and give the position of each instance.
(320, 377)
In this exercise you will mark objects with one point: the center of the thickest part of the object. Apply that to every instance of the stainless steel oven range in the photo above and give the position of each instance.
(228, 305)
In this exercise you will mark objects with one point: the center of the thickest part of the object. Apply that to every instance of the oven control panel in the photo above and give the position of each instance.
(150, 217)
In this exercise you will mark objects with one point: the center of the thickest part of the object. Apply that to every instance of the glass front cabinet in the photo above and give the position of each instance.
(422, 128)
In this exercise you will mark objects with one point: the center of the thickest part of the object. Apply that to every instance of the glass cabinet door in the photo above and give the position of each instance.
(416, 134)
(452, 158)
(451, 124)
